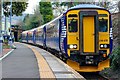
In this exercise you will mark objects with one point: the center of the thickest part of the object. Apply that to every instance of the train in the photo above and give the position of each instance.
(82, 36)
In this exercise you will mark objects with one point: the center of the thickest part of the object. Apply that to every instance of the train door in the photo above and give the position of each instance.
(88, 32)
(44, 37)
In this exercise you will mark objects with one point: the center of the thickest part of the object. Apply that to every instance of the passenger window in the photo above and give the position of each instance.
(103, 27)
(72, 25)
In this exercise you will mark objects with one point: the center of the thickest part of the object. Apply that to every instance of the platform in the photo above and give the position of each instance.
(21, 63)
(32, 62)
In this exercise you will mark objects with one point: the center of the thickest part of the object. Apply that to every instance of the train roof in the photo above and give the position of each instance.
(54, 19)
(24, 32)
(86, 6)
(39, 27)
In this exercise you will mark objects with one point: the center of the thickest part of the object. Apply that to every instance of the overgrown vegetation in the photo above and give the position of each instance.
(115, 59)
(114, 71)
(6, 46)
(32, 20)
(42, 14)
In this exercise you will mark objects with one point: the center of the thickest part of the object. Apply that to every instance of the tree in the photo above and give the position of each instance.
(37, 19)
(119, 6)
(71, 4)
(60, 7)
(33, 20)
(26, 21)
(119, 23)
(46, 11)
(17, 8)
(57, 8)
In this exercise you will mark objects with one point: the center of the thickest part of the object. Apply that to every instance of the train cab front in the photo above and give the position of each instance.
(88, 39)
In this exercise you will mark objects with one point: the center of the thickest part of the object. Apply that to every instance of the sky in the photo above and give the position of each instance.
(31, 6)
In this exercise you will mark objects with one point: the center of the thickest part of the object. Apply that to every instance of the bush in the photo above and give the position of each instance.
(115, 59)
(6, 46)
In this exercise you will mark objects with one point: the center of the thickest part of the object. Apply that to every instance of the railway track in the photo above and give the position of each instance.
(93, 76)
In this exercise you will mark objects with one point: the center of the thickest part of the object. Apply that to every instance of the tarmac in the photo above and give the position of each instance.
(28, 62)
(21, 63)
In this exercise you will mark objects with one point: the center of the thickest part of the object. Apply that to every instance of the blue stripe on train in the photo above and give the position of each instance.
(111, 36)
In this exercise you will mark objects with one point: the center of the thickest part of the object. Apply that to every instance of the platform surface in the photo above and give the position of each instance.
(30, 62)
(21, 63)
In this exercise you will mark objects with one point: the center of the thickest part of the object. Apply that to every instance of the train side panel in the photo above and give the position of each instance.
(24, 35)
(52, 35)
(30, 37)
(34, 37)
(40, 36)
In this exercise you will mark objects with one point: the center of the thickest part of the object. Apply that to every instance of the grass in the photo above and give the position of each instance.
(6, 46)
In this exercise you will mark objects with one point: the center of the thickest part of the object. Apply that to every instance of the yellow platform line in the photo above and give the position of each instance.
(44, 69)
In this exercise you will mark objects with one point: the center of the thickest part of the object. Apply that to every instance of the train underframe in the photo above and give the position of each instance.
(83, 62)
(87, 62)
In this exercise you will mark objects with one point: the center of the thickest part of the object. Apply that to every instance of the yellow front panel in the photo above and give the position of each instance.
(104, 36)
(89, 42)
(73, 37)
(88, 34)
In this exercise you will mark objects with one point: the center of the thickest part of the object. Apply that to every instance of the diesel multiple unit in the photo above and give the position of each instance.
(82, 35)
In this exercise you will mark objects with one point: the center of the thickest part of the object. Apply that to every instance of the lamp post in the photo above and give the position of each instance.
(1, 2)
(10, 14)
(10, 39)
(1, 5)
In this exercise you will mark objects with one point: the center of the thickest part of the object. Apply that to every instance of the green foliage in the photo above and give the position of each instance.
(115, 59)
(69, 4)
(46, 11)
(6, 46)
(17, 8)
(33, 20)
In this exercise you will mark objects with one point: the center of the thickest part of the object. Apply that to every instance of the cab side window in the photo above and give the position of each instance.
(103, 27)
(72, 25)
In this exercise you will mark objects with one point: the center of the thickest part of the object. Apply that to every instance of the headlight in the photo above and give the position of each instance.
(73, 46)
(104, 45)
(101, 46)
